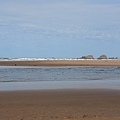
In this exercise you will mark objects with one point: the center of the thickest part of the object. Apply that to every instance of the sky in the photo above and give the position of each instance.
(59, 28)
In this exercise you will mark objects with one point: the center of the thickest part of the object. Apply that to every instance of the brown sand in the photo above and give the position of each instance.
(60, 105)
(62, 63)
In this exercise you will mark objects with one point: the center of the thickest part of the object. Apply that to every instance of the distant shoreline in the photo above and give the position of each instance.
(79, 62)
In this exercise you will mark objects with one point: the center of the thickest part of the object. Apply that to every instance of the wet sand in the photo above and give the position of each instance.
(72, 104)
(62, 63)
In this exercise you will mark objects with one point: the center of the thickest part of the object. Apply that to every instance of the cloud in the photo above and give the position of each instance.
(107, 2)
(45, 24)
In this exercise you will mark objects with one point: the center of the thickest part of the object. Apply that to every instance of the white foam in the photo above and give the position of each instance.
(40, 59)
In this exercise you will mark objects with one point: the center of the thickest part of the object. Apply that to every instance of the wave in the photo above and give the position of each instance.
(38, 59)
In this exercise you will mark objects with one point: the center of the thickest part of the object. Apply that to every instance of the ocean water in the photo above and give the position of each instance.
(15, 77)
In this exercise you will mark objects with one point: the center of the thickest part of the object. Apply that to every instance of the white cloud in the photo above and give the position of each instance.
(42, 23)
(28, 26)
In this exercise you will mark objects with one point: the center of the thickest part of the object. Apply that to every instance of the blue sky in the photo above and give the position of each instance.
(59, 28)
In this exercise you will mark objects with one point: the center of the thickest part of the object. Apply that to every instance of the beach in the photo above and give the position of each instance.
(89, 93)
(59, 60)
(60, 63)
(72, 104)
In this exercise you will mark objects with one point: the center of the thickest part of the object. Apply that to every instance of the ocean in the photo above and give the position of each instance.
(25, 78)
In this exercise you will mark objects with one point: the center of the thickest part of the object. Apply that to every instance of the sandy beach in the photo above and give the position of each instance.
(60, 105)
(100, 102)
(62, 63)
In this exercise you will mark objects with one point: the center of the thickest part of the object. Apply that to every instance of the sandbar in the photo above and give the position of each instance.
(62, 63)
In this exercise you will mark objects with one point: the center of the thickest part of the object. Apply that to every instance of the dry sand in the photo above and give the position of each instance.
(62, 63)
(60, 105)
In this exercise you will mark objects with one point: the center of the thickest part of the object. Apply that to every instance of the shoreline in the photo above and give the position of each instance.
(60, 85)
(60, 105)
(61, 63)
